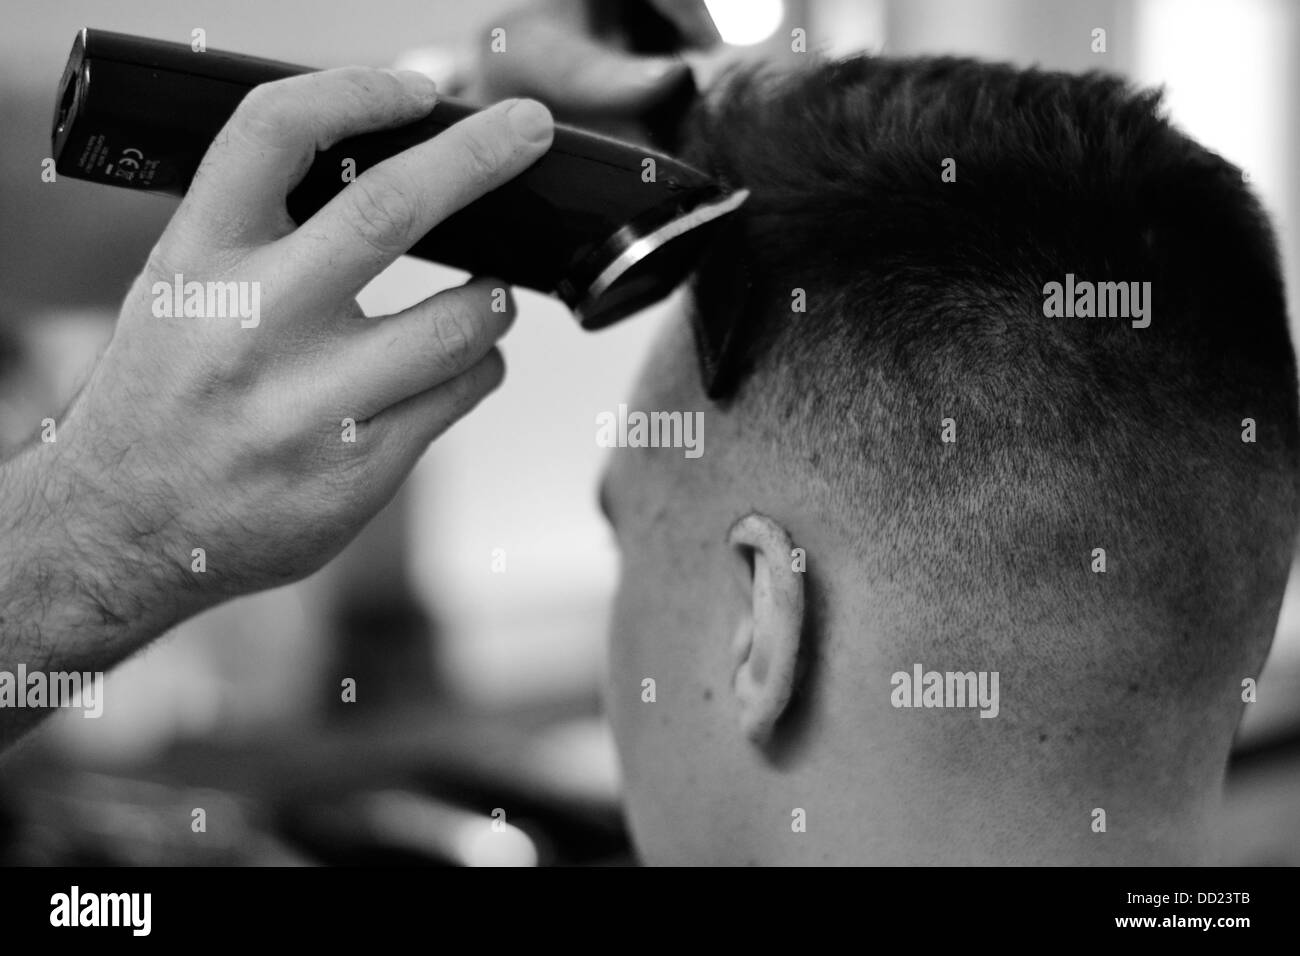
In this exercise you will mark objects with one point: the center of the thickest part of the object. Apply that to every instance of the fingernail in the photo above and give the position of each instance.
(418, 84)
(531, 120)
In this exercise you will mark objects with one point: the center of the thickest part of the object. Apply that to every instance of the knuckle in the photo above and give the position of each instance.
(484, 152)
(383, 214)
(224, 375)
(453, 337)
(265, 116)
(162, 262)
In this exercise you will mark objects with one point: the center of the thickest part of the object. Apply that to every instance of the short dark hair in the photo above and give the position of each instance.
(925, 302)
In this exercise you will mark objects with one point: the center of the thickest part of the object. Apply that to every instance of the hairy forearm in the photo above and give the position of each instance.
(76, 592)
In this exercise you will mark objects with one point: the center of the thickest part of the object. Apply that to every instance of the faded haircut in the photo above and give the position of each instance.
(925, 302)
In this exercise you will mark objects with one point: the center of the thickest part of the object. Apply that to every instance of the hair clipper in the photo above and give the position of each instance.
(587, 222)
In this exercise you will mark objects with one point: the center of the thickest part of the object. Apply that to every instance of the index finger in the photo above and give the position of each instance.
(264, 150)
(392, 205)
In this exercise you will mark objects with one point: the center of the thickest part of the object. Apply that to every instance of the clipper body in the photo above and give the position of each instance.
(586, 222)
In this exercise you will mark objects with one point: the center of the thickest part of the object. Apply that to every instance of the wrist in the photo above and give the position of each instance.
(74, 580)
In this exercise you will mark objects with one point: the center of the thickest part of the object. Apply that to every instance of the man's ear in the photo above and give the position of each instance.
(765, 650)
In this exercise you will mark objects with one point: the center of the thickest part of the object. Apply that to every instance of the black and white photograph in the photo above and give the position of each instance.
(636, 434)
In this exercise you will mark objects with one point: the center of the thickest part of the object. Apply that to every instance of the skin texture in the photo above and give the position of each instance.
(773, 692)
(197, 433)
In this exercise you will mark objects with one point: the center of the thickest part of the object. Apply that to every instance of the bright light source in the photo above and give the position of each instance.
(1238, 106)
(743, 22)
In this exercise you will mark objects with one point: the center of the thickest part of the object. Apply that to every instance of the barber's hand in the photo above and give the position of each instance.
(572, 55)
(203, 433)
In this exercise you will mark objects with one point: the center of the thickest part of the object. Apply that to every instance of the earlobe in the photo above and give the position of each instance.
(765, 649)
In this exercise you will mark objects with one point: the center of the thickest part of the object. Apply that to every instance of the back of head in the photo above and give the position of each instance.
(1089, 488)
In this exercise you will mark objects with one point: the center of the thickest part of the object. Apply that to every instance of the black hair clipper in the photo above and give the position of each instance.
(583, 222)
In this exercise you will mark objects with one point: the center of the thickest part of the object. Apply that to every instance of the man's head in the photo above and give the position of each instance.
(920, 466)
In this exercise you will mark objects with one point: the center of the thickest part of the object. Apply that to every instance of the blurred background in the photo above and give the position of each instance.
(472, 613)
